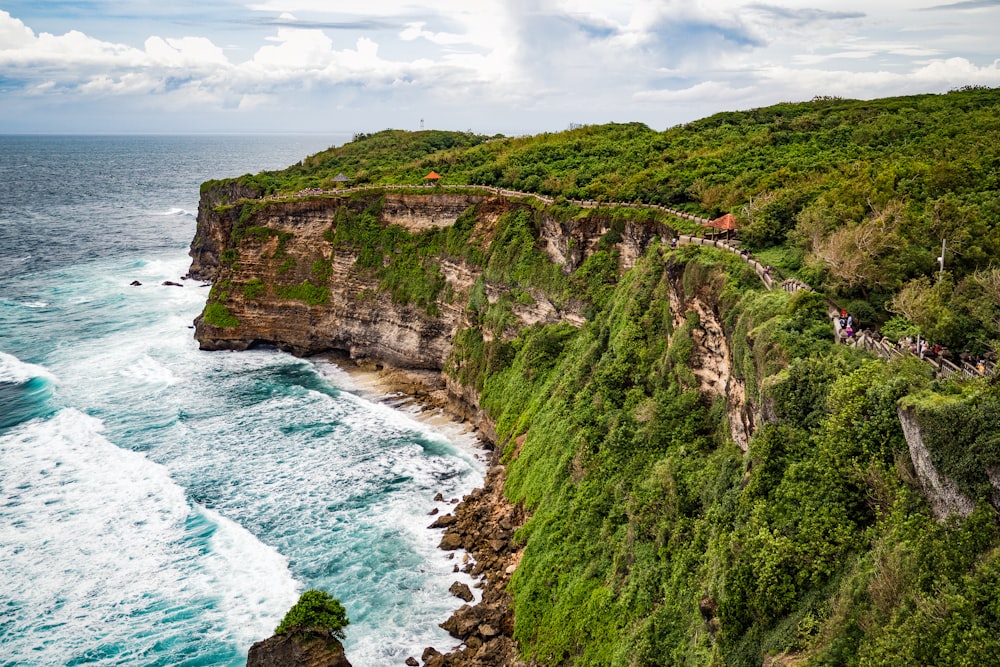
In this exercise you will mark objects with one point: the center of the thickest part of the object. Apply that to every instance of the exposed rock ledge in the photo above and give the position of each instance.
(298, 649)
(941, 492)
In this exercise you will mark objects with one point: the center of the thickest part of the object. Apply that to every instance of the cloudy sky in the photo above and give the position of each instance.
(510, 66)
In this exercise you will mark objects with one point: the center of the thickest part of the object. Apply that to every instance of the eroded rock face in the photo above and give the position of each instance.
(292, 238)
(941, 492)
(298, 649)
(416, 213)
(215, 224)
(711, 362)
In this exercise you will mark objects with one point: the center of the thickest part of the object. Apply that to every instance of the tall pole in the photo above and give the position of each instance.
(941, 260)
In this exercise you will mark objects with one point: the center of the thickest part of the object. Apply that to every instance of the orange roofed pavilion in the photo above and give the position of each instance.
(433, 176)
(726, 223)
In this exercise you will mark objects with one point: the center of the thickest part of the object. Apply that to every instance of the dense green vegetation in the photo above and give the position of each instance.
(315, 610)
(857, 195)
(655, 541)
(961, 427)
(218, 315)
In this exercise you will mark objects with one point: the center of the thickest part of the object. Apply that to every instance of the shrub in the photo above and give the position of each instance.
(306, 291)
(218, 315)
(315, 610)
(254, 289)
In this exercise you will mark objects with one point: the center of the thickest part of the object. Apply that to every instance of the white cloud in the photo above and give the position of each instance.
(703, 92)
(13, 33)
(296, 49)
(194, 52)
(934, 76)
(488, 60)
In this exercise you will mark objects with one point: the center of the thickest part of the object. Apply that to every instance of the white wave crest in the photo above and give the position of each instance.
(13, 369)
(175, 211)
(107, 544)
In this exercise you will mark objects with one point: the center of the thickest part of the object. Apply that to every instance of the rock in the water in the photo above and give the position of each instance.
(460, 590)
(412, 662)
(298, 649)
(433, 512)
(135, 283)
(171, 283)
(432, 657)
(443, 521)
(439, 498)
(450, 542)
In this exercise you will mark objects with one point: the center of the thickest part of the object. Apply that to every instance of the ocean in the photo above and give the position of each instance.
(160, 505)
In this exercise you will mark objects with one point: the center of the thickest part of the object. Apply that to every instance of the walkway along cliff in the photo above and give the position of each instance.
(645, 405)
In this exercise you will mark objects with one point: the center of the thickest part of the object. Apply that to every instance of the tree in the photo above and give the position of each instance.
(928, 305)
(315, 610)
(856, 256)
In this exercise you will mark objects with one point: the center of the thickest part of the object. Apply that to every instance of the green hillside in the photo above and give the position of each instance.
(855, 197)
(654, 540)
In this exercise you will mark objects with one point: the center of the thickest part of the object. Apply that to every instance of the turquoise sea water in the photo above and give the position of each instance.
(160, 505)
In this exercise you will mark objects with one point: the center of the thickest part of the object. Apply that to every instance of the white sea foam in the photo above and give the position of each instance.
(258, 585)
(339, 484)
(14, 370)
(353, 489)
(94, 536)
(175, 211)
(145, 369)
(24, 304)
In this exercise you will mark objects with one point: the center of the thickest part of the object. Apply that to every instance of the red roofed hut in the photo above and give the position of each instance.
(433, 177)
(725, 223)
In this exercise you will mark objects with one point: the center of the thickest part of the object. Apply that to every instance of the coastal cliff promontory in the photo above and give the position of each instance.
(338, 273)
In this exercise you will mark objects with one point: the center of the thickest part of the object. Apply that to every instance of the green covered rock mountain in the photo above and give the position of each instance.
(701, 474)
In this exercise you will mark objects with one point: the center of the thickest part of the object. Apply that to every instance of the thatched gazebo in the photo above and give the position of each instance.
(340, 179)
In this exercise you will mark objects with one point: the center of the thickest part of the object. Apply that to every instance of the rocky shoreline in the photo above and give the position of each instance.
(483, 524)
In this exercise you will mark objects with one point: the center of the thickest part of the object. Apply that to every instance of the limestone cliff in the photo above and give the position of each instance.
(941, 492)
(280, 276)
